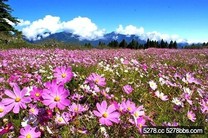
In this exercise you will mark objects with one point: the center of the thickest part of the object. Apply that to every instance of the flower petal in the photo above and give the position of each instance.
(96, 113)
(10, 94)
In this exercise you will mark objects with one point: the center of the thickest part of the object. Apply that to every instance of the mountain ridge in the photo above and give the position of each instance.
(68, 37)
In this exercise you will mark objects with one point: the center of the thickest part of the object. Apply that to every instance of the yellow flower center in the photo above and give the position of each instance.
(28, 136)
(136, 114)
(129, 108)
(63, 75)
(1, 110)
(17, 99)
(57, 99)
(189, 116)
(96, 80)
(75, 109)
(140, 125)
(105, 115)
(32, 110)
(60, 119)
(37, 94)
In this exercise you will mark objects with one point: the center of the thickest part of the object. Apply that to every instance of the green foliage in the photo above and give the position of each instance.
(5, 17)
(123, 44)
(113, 44)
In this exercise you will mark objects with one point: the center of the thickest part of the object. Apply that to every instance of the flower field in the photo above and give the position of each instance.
(101, 93)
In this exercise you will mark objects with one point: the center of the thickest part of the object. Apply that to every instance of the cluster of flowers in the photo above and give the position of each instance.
(50, 105)
(55, 98)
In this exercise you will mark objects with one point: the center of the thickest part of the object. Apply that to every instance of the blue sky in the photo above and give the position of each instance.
(177, 19)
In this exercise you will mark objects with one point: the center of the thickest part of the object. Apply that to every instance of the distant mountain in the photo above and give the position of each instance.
(75, 39)
(71, 38)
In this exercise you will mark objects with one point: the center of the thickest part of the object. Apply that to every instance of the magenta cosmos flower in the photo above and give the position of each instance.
(29, 132)
(96, 79)
(127, 89)
(140, 123)
(63, 74)
(36, 94)
(55, 96)
(107, 114)
(16, 99)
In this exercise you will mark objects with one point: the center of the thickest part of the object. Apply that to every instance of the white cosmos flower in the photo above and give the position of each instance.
(161, 95)
(177, 101)
(152, 85)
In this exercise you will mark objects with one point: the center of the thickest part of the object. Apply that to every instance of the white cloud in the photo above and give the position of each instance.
(23, 23)
(130, 30)
(197, 41)
(47, 24)
(158, 36)
(154, 35)
(83, 27)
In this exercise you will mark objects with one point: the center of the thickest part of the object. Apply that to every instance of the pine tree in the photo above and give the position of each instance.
(123, 44)
(113, 44)
(162, 44)
(147, 45)
(170, 44)
(5, 17)
(175, 44)
(133, 44)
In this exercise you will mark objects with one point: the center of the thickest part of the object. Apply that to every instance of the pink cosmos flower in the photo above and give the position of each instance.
(16, 99)
(125, 62)
(187, 97)
(204, 106)
(63, 74)
(107, 114)
(29, 132)
(144, 67)
(33, 109)
(121, 107)
(77, 97)
(96, 79)
(129, 106)
(77, 108)
(138, 112)
(127, 89)
(62, 119)
(36, 94)
(2, 110)
(140, 123)
(190, 78)
(191, 116)
(104, 92)
(55, 96)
